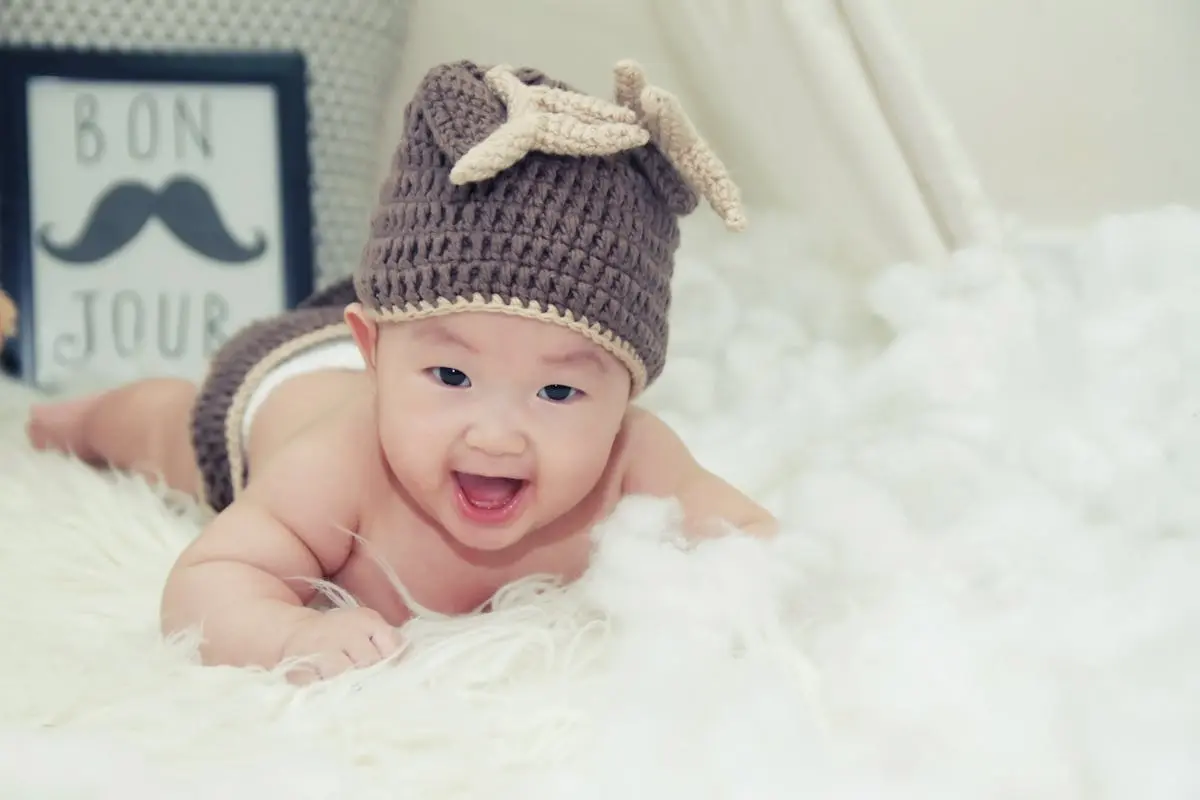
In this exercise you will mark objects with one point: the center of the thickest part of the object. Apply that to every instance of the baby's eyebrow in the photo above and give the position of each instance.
(576, 357)
(440, 335)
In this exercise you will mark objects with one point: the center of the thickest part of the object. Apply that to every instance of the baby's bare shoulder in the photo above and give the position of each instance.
(653, 458)
(319, 473)
(658, 462)
(649, 444)
(296, 513)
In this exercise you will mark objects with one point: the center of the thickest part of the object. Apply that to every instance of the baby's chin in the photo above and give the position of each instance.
(487, 541)
(487, 538)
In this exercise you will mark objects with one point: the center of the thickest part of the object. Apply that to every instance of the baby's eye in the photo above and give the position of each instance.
(557, 393)
(450, 376)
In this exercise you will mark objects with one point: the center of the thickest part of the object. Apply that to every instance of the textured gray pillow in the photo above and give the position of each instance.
(353, 49)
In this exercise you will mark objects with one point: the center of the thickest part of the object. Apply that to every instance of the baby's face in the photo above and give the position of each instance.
(496, 425)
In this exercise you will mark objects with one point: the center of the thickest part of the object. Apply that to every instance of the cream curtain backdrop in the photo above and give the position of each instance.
(891, 126)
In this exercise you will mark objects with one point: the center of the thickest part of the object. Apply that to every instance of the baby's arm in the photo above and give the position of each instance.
(243, 579)
(658, 463)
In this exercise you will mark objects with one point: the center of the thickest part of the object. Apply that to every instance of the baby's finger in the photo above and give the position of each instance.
(360, 650)
(302, 674)
(313, 668)
(385, 639)
(333, 663)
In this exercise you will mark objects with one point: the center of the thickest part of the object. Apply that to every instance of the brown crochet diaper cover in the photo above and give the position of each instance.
(236, 371)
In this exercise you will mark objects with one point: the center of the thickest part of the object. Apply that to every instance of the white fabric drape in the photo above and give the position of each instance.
(822, 107)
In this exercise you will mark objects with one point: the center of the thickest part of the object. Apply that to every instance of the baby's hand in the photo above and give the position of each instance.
(338, 640)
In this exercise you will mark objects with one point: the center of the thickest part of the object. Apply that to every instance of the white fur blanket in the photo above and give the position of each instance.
(988, 586)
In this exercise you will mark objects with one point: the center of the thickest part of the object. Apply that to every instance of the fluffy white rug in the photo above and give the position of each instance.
(988, 586)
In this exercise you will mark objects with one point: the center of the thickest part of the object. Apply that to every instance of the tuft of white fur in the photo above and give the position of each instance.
(986, 585)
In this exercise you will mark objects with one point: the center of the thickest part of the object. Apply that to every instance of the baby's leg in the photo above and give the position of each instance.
(143, 427)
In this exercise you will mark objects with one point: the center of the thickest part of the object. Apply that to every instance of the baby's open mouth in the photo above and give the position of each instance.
(489, 493)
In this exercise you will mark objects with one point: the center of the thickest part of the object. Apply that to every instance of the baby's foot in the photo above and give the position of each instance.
(61, 426)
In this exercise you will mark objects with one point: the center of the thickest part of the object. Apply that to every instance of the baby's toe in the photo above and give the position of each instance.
(58, 425)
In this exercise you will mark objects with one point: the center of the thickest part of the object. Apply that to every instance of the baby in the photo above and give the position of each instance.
(459, 412)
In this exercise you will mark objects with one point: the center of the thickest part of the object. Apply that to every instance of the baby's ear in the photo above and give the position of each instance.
(365, 332)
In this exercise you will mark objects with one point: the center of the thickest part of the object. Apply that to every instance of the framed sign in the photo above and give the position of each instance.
(150, 205)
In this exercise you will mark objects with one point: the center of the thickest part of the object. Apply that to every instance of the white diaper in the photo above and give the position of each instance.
(333, 354)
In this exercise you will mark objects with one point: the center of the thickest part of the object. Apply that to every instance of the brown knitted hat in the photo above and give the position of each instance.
(511, 192)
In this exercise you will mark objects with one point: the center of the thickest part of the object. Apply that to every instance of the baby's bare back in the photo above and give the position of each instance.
(393, 540)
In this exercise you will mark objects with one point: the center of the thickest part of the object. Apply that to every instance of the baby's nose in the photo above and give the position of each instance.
(496, 440)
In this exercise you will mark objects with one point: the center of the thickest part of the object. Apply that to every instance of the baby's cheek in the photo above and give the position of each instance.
(573, 481)
(412, 446)
(577, 460)
(405, 419)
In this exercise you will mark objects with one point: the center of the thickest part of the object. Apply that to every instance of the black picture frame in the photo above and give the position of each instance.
(285, 72)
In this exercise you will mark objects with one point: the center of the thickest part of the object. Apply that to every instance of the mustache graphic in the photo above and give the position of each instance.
(184, 206)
